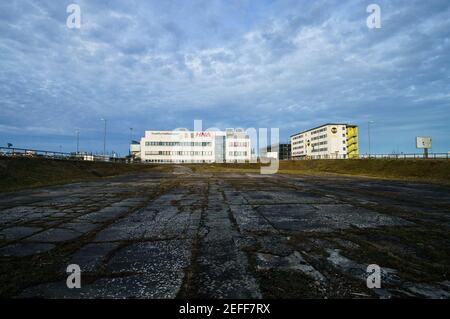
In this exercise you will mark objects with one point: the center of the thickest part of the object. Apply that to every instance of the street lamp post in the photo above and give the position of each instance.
(104, 140)
(78, 141)
(368, 132)
(131, 140)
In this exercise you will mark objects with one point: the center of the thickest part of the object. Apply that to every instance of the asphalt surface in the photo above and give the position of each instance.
(188, 235)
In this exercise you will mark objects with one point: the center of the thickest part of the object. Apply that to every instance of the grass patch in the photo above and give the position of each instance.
(21, 173)
(436, 171)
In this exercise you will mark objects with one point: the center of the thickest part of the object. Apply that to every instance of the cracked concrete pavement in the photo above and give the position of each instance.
(182, 234)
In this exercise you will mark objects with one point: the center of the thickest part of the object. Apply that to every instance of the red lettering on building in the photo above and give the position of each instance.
(203, 134)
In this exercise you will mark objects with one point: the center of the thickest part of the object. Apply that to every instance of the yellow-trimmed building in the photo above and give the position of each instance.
(328, 141)
(352, 142)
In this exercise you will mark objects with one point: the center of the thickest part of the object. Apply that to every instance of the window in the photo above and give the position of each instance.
(192, 144)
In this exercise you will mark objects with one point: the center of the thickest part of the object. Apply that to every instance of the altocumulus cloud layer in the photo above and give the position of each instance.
(240, 63)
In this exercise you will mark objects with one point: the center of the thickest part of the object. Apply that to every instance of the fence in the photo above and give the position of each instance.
(406, 156)
(30, 153)
(431, 156)
(24, 152)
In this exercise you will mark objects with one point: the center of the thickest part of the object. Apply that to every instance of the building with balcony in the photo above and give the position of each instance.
(328, 141)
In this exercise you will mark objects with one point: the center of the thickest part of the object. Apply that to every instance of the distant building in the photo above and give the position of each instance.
(283, 152)
(195, 147)
(135, 150)
(329, 141)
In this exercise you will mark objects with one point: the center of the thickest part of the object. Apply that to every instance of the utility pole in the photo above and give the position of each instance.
(368, 132)
(104, 140)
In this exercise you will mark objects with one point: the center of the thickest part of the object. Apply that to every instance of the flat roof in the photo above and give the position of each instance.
(323, 126)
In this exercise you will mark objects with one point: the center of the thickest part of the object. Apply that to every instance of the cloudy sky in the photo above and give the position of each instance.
(236, 63)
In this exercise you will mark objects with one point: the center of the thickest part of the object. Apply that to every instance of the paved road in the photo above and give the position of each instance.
(182, 234)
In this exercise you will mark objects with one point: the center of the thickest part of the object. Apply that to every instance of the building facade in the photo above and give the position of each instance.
(238, 146)
(195, 147)
(283, 152)
(329, 141)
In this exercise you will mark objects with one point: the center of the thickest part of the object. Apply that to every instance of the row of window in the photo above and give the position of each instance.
(323, 149)
(238, 144)
(179, 153)
(315, 138)
(204, 144)
(319, 131)
(320, 143)
(313, 145)
(237, 153)
(298, 142)
(318, 137)
(176, 161)
(191, 161)
(178, 144)
(325, 156)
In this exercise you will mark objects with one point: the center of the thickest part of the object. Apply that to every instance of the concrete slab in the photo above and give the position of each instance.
(25, 249)
(227, 236)
(15, 233)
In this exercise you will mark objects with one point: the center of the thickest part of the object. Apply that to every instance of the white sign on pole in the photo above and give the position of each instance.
(423, 142)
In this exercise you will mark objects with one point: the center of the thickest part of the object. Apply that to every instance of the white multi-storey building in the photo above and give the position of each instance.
(327, 141)
(195, 147)
(237, 146)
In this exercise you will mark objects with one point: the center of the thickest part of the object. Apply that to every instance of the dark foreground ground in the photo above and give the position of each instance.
(184, 234)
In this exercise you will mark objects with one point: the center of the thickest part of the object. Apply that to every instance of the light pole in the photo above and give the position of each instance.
(368, 132)
(104, 139)
(131, 140)
(78, 141)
